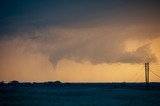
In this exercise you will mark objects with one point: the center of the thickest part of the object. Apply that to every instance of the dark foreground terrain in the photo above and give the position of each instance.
(79, 94)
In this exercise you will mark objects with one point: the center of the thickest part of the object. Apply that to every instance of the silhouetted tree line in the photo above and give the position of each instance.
(58, 84)
(15, 83)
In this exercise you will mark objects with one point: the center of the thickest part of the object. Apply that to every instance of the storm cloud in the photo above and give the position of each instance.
(94, 31)
(97, 45)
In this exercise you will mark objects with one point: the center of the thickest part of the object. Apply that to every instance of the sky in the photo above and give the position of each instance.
(79, 40)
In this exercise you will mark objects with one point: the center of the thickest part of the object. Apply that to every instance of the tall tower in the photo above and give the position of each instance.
(147, 74)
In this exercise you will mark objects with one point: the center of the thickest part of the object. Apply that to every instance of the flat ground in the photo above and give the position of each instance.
(27, 96)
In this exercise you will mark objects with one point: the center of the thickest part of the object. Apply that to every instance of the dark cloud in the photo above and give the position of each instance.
(142, 54)
(92, 30)
(97, 45)
(26, 16)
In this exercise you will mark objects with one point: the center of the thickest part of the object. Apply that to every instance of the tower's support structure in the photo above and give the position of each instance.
(147, 75)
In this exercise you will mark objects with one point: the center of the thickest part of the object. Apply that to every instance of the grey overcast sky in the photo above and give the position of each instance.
(37, 36)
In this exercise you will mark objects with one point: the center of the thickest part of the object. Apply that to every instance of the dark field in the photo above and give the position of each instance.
(79, 94)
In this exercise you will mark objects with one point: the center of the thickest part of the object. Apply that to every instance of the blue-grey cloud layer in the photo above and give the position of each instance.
(24, 15)
(93, 30)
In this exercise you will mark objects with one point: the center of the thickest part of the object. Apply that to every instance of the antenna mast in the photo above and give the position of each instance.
(147, 75)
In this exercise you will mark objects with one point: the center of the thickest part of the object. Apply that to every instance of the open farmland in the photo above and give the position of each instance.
(78, 95)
